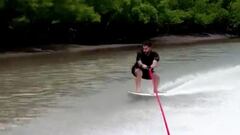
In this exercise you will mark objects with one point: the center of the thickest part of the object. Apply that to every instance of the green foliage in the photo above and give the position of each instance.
(22, 13)
(85, 13)
(145, 13)
(56, 11)
(37, 10)
(180, 4)
(105, 6)
(206, 13)
(20, 21)
(203, 12)
(235, 14)
(152, 2)
(74, 10)
(177, 16)
(122, 13)
(174, 11)
(2, 3)
(225, 3)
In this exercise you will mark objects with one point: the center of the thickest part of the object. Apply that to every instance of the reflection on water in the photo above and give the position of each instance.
(30, 86)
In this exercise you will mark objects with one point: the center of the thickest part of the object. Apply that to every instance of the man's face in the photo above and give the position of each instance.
(146, 49)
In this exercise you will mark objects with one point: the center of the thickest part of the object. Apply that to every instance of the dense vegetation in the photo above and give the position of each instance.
(101, 21)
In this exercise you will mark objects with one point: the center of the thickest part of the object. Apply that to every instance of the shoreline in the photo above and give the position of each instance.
(162, 40)
(191, 39)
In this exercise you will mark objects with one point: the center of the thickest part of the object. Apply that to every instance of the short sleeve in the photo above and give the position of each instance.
(138, 56)
(156, 56)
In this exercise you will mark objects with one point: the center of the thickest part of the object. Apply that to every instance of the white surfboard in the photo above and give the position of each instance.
(145, 94)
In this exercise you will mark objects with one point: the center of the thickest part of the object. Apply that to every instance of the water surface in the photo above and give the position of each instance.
(86, 92)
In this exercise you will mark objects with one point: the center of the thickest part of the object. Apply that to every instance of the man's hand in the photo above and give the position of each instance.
(154, 64)
(144, 66)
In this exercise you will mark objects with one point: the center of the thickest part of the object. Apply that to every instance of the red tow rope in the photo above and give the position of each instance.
(158, 100)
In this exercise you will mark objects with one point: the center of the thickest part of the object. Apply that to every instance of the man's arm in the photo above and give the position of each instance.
(154, 64)
(141, 64)
(155, 60)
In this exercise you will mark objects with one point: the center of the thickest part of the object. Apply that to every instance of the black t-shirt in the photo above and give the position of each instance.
(147, 59)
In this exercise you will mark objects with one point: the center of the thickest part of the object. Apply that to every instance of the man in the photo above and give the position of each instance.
(146, 60)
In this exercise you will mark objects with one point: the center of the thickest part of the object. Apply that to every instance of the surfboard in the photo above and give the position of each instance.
(145, 94)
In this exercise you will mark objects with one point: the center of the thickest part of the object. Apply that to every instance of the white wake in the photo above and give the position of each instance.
(217, 80)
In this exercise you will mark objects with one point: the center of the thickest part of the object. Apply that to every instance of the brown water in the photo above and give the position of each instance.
(85, 92)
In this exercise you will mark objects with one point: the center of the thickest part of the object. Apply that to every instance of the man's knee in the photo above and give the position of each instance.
(138, 72)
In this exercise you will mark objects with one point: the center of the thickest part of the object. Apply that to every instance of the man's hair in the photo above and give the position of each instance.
(147, 43)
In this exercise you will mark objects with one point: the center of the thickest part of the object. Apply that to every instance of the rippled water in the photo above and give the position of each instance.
(31, 85)
(86, 92)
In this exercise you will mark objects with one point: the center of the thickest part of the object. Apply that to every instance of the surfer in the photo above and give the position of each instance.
(146, 60)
